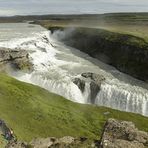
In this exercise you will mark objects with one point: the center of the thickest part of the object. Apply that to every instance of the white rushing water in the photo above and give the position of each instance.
(56, 65)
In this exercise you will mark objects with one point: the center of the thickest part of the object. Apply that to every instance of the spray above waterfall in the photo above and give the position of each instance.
(77, 76)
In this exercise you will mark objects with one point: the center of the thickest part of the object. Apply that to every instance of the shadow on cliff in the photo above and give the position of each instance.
(112, 52)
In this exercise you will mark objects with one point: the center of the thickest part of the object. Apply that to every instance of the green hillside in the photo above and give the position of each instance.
(34, 112)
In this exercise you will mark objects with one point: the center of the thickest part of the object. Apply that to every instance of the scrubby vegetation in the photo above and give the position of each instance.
(34, 112)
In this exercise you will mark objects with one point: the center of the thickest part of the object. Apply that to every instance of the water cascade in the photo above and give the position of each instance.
(56, 65)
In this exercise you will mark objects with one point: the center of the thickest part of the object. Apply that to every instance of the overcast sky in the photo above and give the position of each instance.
(25, 7)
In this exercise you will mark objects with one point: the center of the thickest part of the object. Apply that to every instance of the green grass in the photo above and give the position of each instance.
(3, 142)
(34, 112)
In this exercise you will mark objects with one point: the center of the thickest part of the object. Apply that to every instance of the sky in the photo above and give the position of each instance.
(38, 7)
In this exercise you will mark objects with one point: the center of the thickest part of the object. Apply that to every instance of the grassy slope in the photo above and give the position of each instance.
(34, 112)
(136, 30)
(3, 142)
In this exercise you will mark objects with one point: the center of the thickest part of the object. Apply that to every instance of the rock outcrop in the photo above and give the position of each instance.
(17, 59)
(123, 134)
(80, 83)
(52, 142)
(17, 144)
(55, 28)
(94, 81)
(94, 77)
(127, 53)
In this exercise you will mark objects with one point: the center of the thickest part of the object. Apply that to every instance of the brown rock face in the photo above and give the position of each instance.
(51, 142)
(80, 83)
(94, 80)
(17, 144)
(95, 77)
(17, 59)
(123, 134)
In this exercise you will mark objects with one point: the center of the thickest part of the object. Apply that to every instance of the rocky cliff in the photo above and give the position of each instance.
(123, 134)
(127, 53)
(17, 59)
(94, 81)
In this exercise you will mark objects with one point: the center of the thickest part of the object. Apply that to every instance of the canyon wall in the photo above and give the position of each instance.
(127, 53)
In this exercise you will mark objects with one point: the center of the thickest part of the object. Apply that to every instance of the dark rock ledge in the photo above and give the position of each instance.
(15, 58)
(123, 134)
(95, 81)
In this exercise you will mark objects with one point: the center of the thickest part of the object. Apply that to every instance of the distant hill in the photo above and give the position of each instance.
(107, 16)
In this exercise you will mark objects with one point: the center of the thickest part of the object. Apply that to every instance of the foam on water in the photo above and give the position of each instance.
(56, 65)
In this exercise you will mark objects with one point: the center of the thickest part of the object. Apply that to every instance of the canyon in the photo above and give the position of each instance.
(57, 66)
(79, 77)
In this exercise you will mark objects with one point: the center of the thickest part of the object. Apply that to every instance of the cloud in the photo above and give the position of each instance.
(22, 7)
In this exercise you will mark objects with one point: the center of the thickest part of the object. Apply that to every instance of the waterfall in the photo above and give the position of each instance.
(86, 93)
(65, 88)
(122, 99)
(56, 65)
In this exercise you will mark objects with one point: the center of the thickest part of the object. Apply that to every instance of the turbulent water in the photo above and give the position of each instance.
(56, 65)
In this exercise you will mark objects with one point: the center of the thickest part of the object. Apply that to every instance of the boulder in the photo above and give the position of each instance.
(94, 80)
(95, 77)
(52, 142)
(17, 59)
(17, 144)
(123, 134)
(80, 83)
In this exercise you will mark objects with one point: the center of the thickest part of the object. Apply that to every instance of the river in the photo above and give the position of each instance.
(56, 65)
